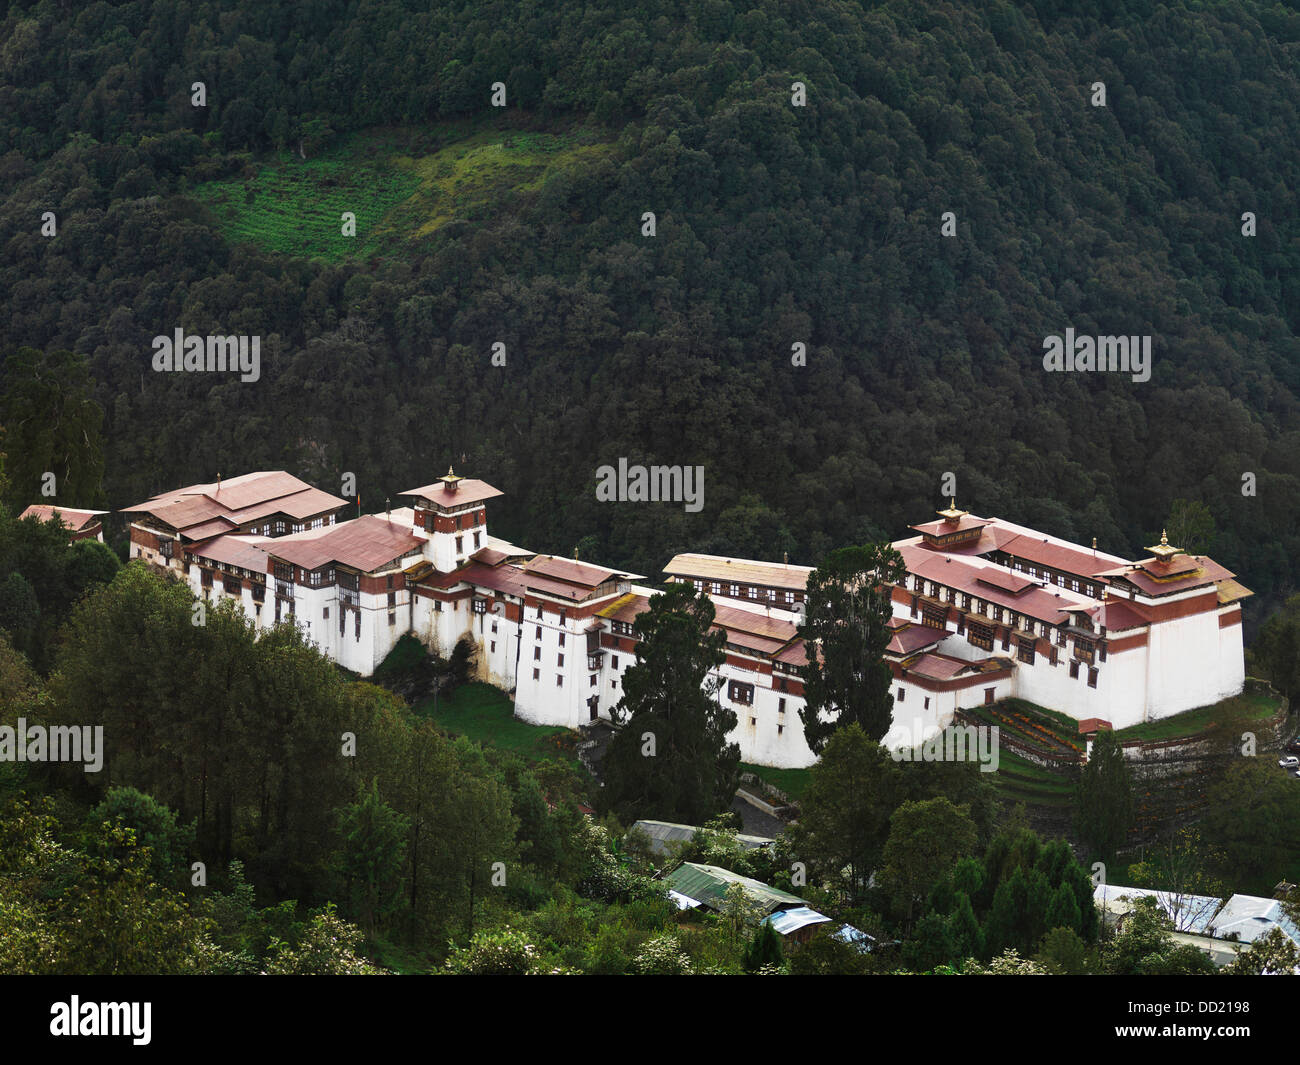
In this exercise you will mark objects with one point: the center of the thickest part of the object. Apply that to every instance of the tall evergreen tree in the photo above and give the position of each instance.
(844, 820)
(846, 631)
(52, 426)
(671, 760)
(1104, 798)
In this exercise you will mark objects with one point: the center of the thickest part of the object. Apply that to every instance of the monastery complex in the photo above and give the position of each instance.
(989, 609)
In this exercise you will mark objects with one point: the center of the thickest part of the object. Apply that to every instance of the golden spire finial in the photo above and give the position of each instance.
(952, 514)
(1164, 550)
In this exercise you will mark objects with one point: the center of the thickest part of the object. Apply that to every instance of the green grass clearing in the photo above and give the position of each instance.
(486, 715)
(1252, 708)
(400, 183)
(794, 782)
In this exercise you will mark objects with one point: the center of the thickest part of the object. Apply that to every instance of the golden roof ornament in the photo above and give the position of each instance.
(1163, 551)
(451, 480)
(952, 514)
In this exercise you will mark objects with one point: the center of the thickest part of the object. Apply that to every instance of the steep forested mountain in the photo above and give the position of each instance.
(775, 225)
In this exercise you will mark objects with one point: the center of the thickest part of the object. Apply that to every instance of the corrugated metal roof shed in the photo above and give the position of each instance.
(1190, 913)
(709, 884)
(1248, 917)
(662, 833)
(787, 921)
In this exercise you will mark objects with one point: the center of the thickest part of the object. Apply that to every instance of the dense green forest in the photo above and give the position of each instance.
(775, 225)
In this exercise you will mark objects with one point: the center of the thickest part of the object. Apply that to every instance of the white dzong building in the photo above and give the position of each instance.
(988, 610)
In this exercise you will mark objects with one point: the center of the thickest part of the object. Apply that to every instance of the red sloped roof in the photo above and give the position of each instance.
(467, 491)
(206, 529)
(246, 552)
(942, 527)
(963, 575)
(625, 608)
(1058, 556)
(796, 654)
(571, 571)
(1008, 582)
(1150, 578)
(75, 520)
(240, 499)
(911, 639)
(508, 580)
(367, 543)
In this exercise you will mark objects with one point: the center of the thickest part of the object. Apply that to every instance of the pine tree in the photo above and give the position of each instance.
(846, 631)
(765, 949)
(671, 760)
(1104, 798)
(1064, 909)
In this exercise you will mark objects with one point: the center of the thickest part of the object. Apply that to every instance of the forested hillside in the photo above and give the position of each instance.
(775, 225)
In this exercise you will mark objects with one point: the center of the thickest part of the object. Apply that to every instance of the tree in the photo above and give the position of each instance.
(671, 759)
(328, 947)
(845, 632)
(926, 840)
(826, 955)
(153, 826)
(94, 911)
(845, 811)
(20, 613)
(662, 955)
(478, 841)
(52, 426)
(1277, 649)
(931, 943)
(1273, 954)
(764, 950)
(1008, 963)
(1179, 866)
(1144, 946)
(1064, 909)
(504, 953)
(1063, 953)
(965, 928)
(1104, 798)
(1190, 525)
(1253, 821)
(372, 857)
(740, 912)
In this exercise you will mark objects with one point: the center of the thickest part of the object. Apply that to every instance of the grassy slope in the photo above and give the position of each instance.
(486, 715)
(1256, 707)
(400, 184)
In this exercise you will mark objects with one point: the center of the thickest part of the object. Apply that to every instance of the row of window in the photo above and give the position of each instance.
(937, 616)
(279, 527)
(747, 591)
(981, 635)
(1059, 579)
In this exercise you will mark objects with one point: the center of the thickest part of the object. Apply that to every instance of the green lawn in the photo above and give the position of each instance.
(794, 782)
(485, 714)
(1253, 707)
(1019, 780)
(399, 183)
